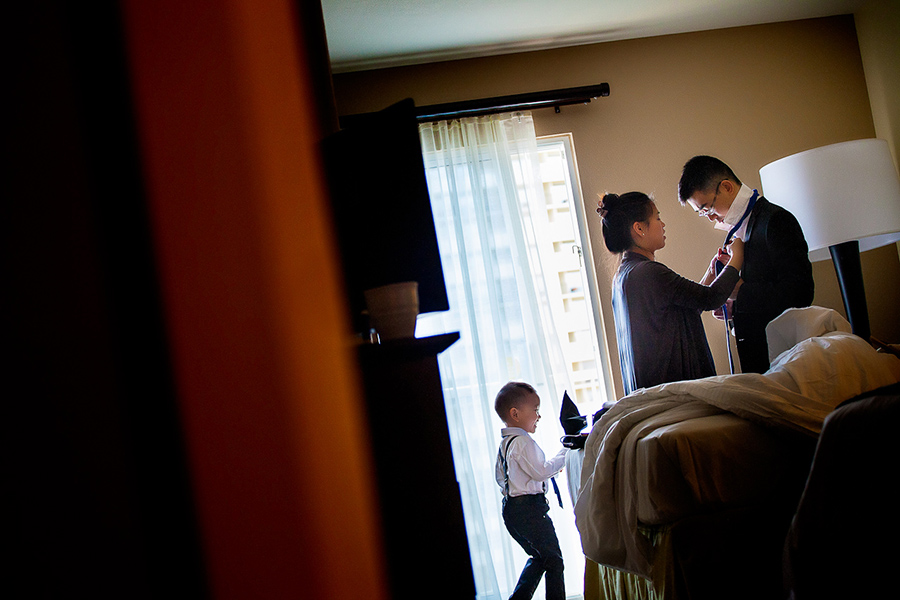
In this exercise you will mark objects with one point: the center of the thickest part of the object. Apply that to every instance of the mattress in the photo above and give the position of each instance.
(697, 447)
(707, 464)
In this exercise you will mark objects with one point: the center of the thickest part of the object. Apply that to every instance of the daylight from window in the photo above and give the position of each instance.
(510, 230)
(569, 271)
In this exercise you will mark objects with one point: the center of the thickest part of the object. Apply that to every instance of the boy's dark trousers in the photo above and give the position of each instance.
(529, 524)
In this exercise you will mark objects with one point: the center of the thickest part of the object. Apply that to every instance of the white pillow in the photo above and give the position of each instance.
(797, 324)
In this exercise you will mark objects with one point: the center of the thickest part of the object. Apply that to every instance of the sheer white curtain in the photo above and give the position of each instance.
(486, 193)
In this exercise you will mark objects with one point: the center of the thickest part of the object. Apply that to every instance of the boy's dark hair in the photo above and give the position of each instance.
(618, 214)
(510, 396)
(702, 174)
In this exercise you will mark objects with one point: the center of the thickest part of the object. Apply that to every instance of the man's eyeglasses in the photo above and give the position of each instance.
(704, 211)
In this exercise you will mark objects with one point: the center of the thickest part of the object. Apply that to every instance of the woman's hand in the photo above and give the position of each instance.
(722, 257)
(732, 255)
(720, 314)
(718, 261)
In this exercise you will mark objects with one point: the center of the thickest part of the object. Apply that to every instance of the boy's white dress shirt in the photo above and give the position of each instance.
(528, 469)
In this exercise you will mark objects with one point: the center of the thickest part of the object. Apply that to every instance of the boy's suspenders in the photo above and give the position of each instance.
(501, 455)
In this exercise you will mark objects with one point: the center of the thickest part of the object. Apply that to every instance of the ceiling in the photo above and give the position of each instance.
(371, 34)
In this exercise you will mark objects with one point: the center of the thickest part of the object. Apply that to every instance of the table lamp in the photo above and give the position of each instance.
(846, 197)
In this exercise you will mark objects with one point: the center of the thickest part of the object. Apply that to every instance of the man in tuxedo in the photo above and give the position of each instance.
(776, 275)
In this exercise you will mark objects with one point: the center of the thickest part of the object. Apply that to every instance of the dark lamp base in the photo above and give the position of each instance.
(848, 267)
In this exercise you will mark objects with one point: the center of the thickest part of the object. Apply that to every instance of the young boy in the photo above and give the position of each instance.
(522, 472)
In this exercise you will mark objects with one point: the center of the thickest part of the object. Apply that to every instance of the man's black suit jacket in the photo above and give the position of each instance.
(777, 275)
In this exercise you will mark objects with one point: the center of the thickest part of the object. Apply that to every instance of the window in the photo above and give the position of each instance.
(509, 232)
(569, 259)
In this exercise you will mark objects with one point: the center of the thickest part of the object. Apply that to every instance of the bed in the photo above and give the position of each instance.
(688, 489)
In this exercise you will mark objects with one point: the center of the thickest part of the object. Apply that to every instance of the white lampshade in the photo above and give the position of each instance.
(839, 193)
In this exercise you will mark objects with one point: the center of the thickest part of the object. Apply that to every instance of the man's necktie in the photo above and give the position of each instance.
(720, 266)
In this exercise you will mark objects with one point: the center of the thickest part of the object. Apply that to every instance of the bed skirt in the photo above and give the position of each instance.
(605, 583)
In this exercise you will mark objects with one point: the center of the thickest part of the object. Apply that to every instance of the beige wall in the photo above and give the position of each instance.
(748, 95)
(878, 29)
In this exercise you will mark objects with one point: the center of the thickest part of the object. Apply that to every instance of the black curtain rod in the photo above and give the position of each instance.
(529, 101)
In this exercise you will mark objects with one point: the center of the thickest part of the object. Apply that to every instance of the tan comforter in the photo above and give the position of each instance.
(803, 385)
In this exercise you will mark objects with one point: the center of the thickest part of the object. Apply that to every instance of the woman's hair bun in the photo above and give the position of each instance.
(607, 201)
(618, 213)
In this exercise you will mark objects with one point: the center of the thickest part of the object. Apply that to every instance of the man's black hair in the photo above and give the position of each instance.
(702, 174)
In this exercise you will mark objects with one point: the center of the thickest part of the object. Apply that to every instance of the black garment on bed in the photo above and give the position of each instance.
(658, 327)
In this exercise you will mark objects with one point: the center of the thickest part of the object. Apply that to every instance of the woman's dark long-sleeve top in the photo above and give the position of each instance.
(658, 326)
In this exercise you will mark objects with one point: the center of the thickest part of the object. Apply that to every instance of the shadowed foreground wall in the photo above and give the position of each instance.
(182, 417)
(269, 396)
